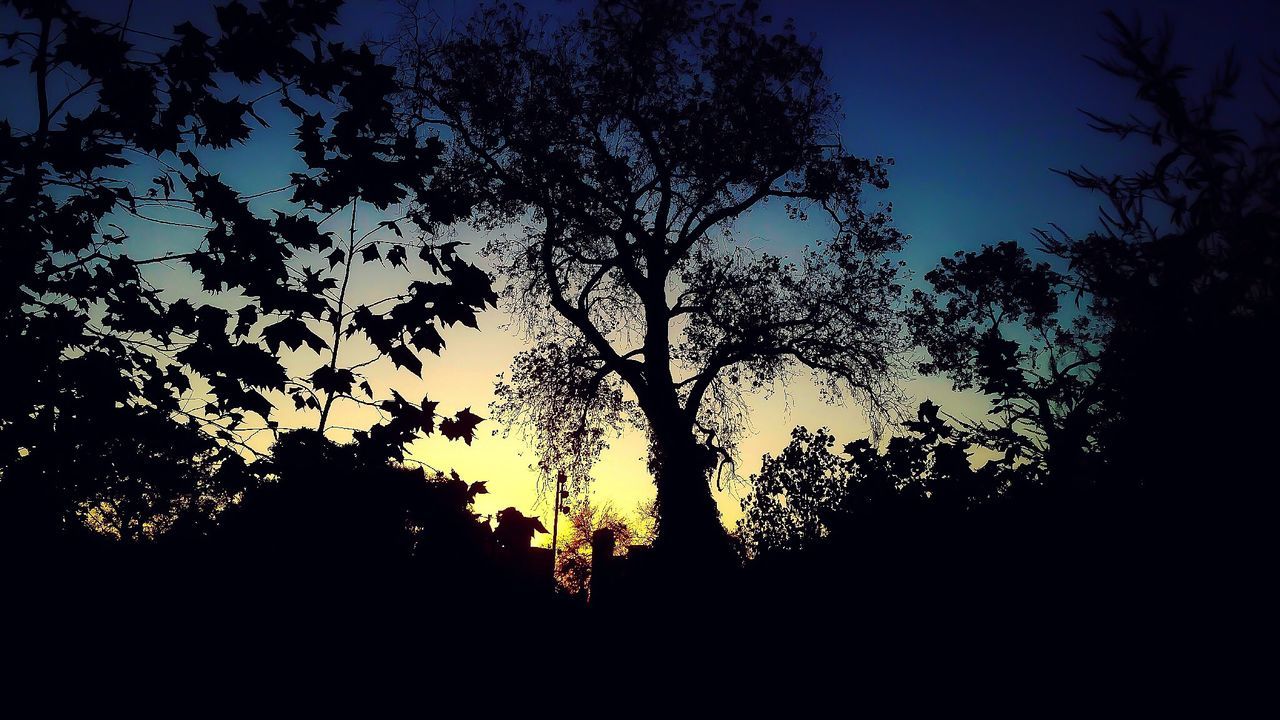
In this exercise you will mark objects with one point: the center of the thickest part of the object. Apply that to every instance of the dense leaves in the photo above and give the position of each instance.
(1183, 271)
(97, 337)
(327, 505)
(810, 492)
(1130, 387)
(1123, 466)
(98, 326)
(995, 323)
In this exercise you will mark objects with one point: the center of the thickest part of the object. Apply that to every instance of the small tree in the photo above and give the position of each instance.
(809, 495)
(626, 143)
(995, 323)
(574, 558)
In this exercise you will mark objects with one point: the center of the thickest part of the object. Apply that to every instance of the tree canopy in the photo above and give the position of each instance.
(995, 323)
(1182, 272)
(125, 130)
(626, 143)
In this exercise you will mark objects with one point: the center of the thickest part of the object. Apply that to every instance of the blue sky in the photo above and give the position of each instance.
(977, 101)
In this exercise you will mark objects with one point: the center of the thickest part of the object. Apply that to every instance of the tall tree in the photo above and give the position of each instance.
(1183, 271)
(627, 143)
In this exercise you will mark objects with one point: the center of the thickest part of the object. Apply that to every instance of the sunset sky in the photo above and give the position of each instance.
(975, 101)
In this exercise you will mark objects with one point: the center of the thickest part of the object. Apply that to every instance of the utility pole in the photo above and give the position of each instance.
(560, 495)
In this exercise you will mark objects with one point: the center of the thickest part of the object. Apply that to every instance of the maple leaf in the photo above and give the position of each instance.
(428, 415)
(461, 426)
(405, 358)
(396, 256)
(293, 333)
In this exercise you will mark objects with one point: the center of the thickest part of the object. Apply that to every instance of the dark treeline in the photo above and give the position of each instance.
(1121, 479)
(1121, 483)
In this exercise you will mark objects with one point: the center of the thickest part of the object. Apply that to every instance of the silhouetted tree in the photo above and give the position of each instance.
(809, 495)
(324, 507)
(995, 323)
(135, 474)
(1154, 390)
(515, 530)
(1183, 271)
(574, 557)
(96, 343)
(89, 329)
(332, 532)
(627, 142)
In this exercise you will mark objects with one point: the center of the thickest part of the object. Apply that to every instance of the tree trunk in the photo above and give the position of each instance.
(689, 528)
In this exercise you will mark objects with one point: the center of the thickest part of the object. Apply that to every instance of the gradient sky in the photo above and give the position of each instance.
(975, 101)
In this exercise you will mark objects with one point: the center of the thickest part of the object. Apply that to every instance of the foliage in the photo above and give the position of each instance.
(1157, 381)
(515, 530)
(809, 493)
(322, 504)
(1183, 272)
(574, 556)
(995, 323)
(397, 327)
(565, 409)
(139, 475)
(93, 335)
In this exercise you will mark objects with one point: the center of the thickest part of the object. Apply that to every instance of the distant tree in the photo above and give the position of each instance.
(136, 474)
(515, 530)
(1184, 273)
(809, 494)
(626, 143)
(995, 323)
(574, 557)
(320, 506)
